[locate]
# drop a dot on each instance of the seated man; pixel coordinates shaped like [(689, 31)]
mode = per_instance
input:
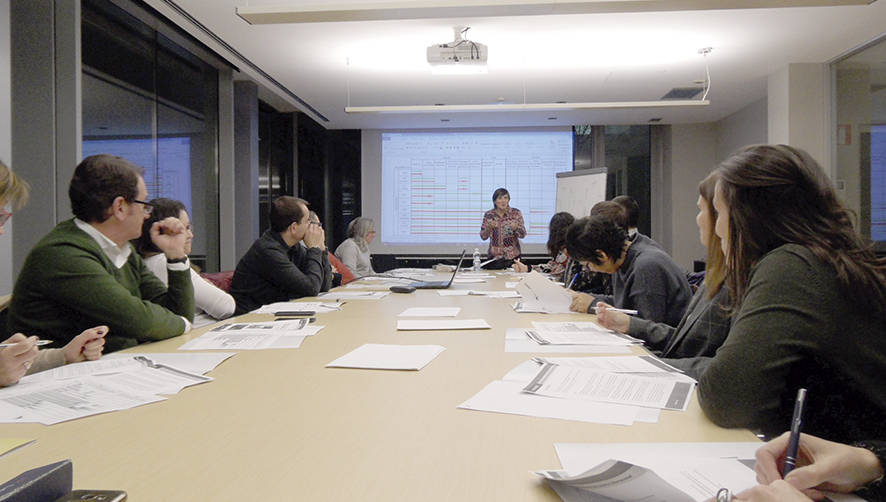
[(84, 272), (276, 268), (644, 278)]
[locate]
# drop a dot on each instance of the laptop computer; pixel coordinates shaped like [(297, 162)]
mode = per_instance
[(439, 284)]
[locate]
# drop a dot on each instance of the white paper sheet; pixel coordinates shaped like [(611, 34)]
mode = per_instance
[(232, 337), (622, 364), (517, 341), (194, 362), (471, 292), (154, 380), (103, 365), (552, 298), (570, 327), (534, 307), (300, 327), (318, 307), (430, 312), (353, 295), (389, 357), (434, 324), (468, 280), (506, 397), (579, 383), (579, 338), (511, 284)]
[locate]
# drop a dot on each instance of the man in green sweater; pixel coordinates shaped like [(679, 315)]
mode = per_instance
[(85, 272)]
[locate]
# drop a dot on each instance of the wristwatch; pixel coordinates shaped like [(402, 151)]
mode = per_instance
[(183, 259)]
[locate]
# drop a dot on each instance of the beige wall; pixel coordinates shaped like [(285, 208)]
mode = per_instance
[(799, 109), (854, 113)]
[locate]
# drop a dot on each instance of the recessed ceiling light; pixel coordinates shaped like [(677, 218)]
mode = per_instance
[(552, 118), (444, 120), (655, 119)]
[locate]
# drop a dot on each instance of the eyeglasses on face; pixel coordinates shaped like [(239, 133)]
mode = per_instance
[(4, 216), (147, 206)]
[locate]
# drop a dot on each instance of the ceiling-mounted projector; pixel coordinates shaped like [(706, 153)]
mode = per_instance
[(459, 56)]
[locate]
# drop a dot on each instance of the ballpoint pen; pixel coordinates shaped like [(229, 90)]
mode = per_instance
[(790, 459), (39, 343), (574, 278)]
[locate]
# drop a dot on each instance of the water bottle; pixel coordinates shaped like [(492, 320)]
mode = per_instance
[(476, 259)]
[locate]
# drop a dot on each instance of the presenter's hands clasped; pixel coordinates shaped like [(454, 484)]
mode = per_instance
[(86, 346), (170, 236), (16, 360), (580, 302), (315, 236), (610, 319)]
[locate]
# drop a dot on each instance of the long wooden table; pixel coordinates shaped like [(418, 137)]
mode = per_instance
[(278, 425)]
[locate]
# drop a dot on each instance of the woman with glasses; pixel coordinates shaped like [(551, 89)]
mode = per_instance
[(211, 302), (354, 251), (22, 356)]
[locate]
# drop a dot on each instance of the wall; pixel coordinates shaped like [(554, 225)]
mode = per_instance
[(800, 110), (693, 156), (747, 126), (6, 279)]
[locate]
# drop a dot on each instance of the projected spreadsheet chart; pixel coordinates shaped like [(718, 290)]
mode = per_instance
[(437, 190)]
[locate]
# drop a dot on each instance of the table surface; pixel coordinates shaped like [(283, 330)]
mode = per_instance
[(278, 425)]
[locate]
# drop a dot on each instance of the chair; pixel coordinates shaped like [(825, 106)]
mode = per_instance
[(221, 280)]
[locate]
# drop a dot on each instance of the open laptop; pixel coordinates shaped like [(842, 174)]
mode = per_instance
[(439, 284)]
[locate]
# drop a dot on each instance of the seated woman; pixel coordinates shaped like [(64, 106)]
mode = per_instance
[(211, 302), (23, 357), (807, 304), (354, 251), (556, 247), (692, 344)]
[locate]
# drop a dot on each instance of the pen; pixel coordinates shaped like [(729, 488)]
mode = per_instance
[(39, 343), (790, 459), (574, 277), (623, 311)]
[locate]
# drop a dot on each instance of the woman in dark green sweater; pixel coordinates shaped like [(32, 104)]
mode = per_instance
[(808, 303)]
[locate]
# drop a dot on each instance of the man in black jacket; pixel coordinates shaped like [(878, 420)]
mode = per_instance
[(276, 268)]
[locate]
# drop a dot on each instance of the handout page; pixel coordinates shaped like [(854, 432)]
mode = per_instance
[(507, 397), (614, 481), (318, 307), (430, 312), (194, 362), (468, 280), (226, 338), (434, 324), (354, 295), (534, 307), (579, 383), (554, 299), (104, 365), (53, 402), (388, 357), (471, 292), (516, 340), (580, 338), (154, 380), (622, 364), (511, 284), (299, 327), (571, 327)]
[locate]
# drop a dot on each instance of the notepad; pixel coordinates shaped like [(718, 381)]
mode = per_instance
[(434, 324), (388, 357)]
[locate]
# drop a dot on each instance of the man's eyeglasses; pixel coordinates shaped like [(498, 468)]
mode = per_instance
[(147, 206), (4, 216)]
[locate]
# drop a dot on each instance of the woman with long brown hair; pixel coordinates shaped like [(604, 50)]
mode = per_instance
[(808, 303)]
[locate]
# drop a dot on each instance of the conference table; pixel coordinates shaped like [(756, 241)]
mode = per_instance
[(279, 425)]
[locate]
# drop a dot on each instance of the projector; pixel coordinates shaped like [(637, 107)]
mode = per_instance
[(460, 51)]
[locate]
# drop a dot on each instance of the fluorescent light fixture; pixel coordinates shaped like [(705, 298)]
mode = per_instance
[(526, 107), (460, 9)]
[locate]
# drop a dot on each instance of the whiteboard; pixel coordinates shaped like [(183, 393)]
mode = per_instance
[(578, 191)]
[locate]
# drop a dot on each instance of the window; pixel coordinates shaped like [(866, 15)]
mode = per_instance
[(151, 101)]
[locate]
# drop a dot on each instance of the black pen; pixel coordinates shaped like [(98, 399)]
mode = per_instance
[(790, 459)]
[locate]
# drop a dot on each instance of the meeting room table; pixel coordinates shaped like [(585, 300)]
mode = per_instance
[(279, 425)]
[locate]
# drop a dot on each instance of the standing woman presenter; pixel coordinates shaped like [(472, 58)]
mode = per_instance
[(503, 226)]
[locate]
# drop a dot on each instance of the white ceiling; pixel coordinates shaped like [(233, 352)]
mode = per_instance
[(636, 56)]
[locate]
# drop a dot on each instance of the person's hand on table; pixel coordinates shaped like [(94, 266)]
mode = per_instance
[(86, 346), (821, 465), (580, 302), (779, 491), (519, 266), (610, 319), (16, 360)]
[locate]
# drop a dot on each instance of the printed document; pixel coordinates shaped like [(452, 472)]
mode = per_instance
[(353, 295), (318, 307), (194, 362), (388, 357), (430, 312), (254, 336), (536, 289), (579, 383), (433, 324), (516, 340), (580, 338)]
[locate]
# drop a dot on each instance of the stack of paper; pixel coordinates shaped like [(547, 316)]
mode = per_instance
[(353, 295), (116, 384), (388, 357), (254, 336), (508, 396), (428, 325), (430, 312), (318, 307), (542, 295), (528, 340), (471, 292)]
